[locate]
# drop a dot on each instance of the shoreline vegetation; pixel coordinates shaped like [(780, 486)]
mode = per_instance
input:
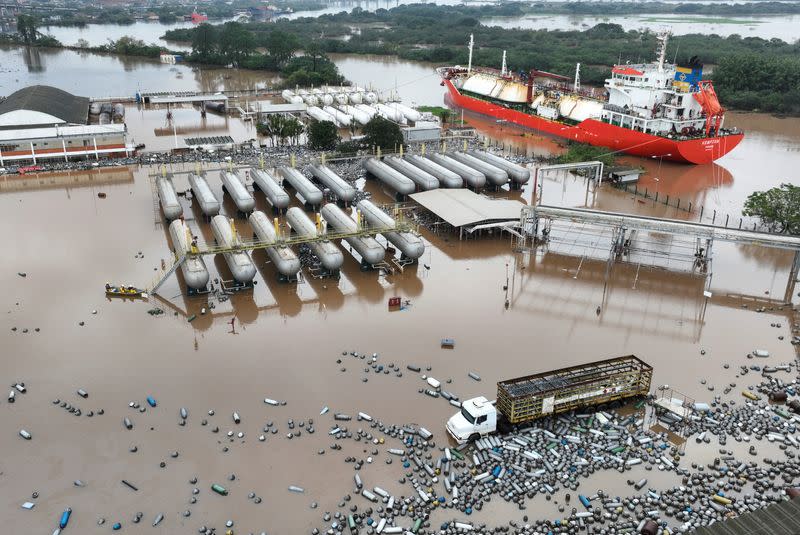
[(750, 74)]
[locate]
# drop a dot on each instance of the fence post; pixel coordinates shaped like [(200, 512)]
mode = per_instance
[(655, 199), (727, 216), (678, 206), (740, 223), (645, 193), (690, 207), (714, 218), (636, 189)]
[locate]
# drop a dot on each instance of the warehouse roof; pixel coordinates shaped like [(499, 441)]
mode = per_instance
[(779, 519), (49, 104), (460, 207)]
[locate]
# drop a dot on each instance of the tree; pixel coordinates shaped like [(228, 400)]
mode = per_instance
[(82, 43), (322, 135), (27, 28), (281, 46), (380, 132), (314, 51), (204, 40), (777, 208), (235, 42)]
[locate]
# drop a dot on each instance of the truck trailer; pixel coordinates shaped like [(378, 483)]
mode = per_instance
[(526, 399)]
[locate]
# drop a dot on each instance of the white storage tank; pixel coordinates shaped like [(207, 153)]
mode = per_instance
[(310, 193), (285, 260), (370, 250), (193, 268), (170, 204), (329, 255), (239, 262), (268, 184), (408, 243), (208, 202), (234, 187)]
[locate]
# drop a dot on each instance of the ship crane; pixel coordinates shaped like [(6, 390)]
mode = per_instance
[(577, 85)]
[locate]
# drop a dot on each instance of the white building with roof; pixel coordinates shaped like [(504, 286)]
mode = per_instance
[(39, 123)]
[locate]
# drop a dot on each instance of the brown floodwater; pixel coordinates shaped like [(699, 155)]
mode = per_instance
[(288, 337)]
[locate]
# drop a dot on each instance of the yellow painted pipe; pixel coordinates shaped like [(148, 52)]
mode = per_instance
[(721, 499), (750, 395)]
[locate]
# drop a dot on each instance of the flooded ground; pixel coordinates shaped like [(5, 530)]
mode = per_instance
[(288, 337), (287, 340)]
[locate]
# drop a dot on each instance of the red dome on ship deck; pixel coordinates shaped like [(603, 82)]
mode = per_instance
[(626, 71)]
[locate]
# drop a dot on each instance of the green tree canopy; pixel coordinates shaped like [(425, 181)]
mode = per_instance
[(777, 208), (27, 28), (322, 135), (281, 46), (235, 42), (204, 40), (380, 132)]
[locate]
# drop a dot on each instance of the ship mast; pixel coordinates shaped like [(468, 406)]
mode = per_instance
[(662, 48), (503, 69), (577, 85), (471, 43)]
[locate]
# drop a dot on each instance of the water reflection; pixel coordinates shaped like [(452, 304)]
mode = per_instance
[(33, 59)]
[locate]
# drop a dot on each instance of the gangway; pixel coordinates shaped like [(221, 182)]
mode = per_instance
[(167, 274)]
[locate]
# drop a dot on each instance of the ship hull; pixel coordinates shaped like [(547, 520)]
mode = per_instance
[(598, 133)]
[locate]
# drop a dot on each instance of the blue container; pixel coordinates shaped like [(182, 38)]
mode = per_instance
[(65, 518), (151, 401)]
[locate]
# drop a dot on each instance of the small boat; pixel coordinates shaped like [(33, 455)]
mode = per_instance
[(125, 291)]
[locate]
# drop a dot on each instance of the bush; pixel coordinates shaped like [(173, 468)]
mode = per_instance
[(322, 135)]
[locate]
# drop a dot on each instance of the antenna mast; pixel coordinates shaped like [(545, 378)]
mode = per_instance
[(662, 37), (471, 43), (577, 86)]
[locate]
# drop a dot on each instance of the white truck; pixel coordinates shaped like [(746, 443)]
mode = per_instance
[(525, 399)]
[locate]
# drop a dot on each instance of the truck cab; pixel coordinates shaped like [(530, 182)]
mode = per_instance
[(478, 417)]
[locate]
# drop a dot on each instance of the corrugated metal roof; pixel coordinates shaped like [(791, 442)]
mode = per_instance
[(49, 100), (461, 207), (779, 519)]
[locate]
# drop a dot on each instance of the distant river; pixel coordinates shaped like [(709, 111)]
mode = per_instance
[(786, 28)]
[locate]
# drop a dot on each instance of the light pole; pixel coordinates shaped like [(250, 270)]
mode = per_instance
[(660, 161)]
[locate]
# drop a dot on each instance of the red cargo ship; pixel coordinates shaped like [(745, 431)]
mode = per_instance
[(654, 110)]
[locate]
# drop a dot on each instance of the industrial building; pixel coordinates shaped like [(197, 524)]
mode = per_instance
[(45, 123)]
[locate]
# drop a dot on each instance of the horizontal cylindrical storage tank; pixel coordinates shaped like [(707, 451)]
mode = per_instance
[(284, 258), (242, 198), (356, 97), (310, 100), (360, 116), (330, 255), (494, 175), (326, 99), (104, 118), (341, 99), (319, 115), (398, 182), (341, 118), (390, 113), (106, 107), (94, 108), (370, 97), (239, 262), (473, 178), (369, 110), (343, 191), (409, 113), (446, 177), (119, 110), (291, 98), (218, 107), (518, 174), (208, 202), (310, 193), (408, 243), (170, 204), (268, 184), (370, 250), (193, 268), (421, 178)]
